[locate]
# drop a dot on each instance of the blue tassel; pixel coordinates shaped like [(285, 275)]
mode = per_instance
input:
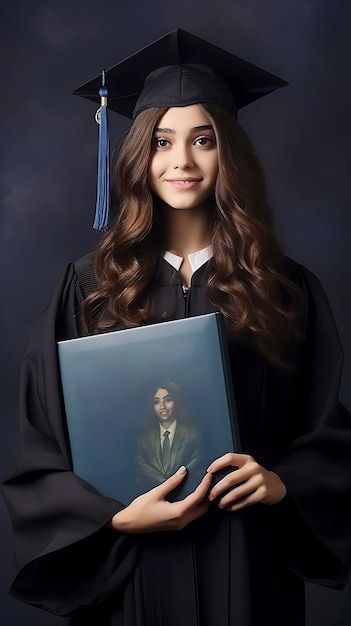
[(103, 199)]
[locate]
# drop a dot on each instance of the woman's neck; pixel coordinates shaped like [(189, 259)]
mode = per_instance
[(186, 231)]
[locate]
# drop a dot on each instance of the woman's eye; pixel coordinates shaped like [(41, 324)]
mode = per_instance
[(156, 401), (162, 143), (204, 141), (169, 399)]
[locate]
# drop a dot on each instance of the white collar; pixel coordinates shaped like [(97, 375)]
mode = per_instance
[(170, 428), (196, 259)]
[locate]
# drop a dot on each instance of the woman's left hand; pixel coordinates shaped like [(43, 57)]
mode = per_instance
[(249, 484)]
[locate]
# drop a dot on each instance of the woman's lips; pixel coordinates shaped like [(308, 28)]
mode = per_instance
[(184, 183)]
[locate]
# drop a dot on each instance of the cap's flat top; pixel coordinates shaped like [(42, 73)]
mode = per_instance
[(125, 81)]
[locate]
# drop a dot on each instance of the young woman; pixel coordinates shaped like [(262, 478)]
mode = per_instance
[(192, 235)]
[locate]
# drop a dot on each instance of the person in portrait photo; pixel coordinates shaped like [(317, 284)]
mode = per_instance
[(168, 440)]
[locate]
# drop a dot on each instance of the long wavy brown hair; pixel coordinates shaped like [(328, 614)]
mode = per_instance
[(243, 277)]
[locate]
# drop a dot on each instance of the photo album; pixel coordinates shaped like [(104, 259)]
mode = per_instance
[(143, 401)]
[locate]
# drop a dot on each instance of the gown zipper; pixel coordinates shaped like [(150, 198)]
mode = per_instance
[(186, 295)]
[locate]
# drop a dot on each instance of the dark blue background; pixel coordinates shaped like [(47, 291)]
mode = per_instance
[(48, 163)]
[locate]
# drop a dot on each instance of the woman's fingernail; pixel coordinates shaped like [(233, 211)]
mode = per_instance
[(181, 470), (211, 497)]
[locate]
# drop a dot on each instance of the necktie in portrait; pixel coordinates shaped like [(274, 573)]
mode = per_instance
[(166, 451)]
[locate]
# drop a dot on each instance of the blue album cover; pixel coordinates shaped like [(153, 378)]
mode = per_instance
[(142, 402)]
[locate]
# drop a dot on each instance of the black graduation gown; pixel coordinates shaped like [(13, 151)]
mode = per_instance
[(226, 569)]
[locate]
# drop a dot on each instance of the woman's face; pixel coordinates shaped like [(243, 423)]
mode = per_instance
[(184, 160), (163, 405)]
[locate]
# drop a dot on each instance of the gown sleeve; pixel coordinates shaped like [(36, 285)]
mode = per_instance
[(315, 521), (66, 558)]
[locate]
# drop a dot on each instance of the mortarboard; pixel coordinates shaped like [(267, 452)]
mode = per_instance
[(178, 69)]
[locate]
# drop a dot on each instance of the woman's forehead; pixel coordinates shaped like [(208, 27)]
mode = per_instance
[(161, 392), (187, 117)]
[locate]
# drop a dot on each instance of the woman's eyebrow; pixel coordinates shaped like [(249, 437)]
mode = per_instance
[(193, 130), (164, 130), (204, 127)]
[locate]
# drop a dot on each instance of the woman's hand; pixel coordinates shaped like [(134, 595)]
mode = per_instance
[(249, 484), (151, 512)]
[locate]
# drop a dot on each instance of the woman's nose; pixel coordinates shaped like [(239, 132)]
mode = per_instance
[(183, 157)]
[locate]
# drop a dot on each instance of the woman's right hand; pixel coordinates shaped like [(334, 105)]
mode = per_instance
[(151, 512)]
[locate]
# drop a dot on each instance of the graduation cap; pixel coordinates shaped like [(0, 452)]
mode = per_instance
[(176, 70)]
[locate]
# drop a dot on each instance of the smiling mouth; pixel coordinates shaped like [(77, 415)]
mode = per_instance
[(186, 183), (183, 180)]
